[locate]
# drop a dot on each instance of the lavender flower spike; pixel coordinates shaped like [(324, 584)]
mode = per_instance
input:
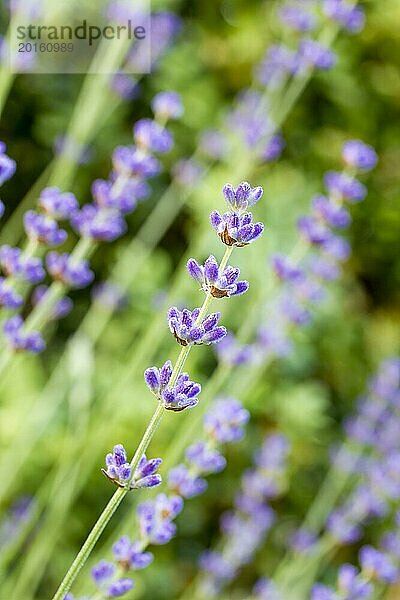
[(186, 331), (57, 204), (359, 155), (43, 229), (73, 274), (18, 340), (118, 467), (243, 197), (213, 281)]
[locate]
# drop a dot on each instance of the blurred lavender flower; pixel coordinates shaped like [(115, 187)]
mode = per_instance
[(103, 575), (62, 267), (358, 155), (167, 105), (57, 204), (61, 309), (183, 324), (134, 161), (15, 264), (7, 165), (273, 149), (98, 224), (330, 213), (344, 186), (129, 555), (43, 229), (9, 298), (265, 589), (125, 86), (378, 565), (231, 352), (17, 339), (349, 16), (313, 54), (152, 137), (125, 200), (350, 585), (220, 284), (297, 17), (278, 63), (225, 422), (155, 518)]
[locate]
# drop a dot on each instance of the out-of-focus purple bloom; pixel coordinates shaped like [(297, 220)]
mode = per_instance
[(342, 185), (284, 269), (243, 197), (273, 149), (265, 589), (294, 311), (110, 195), (297, 17), (215, 564), (187, 172), (359, 155), (15, 264), (155, 518), (206, 460), (220, 284), (2, 209), (17, 515), (185, 483), (350, 17), (343, 528), (118, 467), (303, 540), (214, 144), (57, 204), (62, 307), (324, 268), (119, 588), (9, 298), (105, 225), (378, 564), (63, 267), (278, 62), (226, 420), (109, 295), (236, 230), (125, 86), (231, 352), (313, 54), (7, 165), (183, 394), (43, 229), (130, 554), (183, 324), (131, 160), (336, 247), (167, 105), (103, 572), (313, 230), (323, 592), (330, 213), (273, 340), (151, 136), (18, 339), (351, 585)]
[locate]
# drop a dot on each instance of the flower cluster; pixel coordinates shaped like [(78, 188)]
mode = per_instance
[(213, 281), (223, 424), (245, 527), (178, 396), (186, 329), (119, 470)]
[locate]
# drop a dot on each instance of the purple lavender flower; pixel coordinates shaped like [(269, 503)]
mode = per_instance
[(157, 379), (313, 54), (130, 555), (185, 483), (359, 155), (2, 209), (243, 197), (220, 284), (7, 165), (56, 204), (265, 589), (156, 516), (236, 230), (231, 352), (278, 62), (152, 137), (131, 160), (303, 540), (9, 298), (214, 563), (62, 307), (378, 564), (330, 213), (74, 274), (119, 587), (342, 185), (226, 420), (103, 572), (18, 339), (145, 475), (15, 264), (206, 460), (182, 395), (313, 230), (125, 86), (118, 467), (100, 224), (350, 17), (273, 149), (167, 105), (284, 269), (183, 324), (108, 194), (43, 229), (297, 17), (323, 592)]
